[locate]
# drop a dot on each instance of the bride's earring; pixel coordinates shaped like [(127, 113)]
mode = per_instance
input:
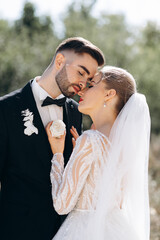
[(104, 105)]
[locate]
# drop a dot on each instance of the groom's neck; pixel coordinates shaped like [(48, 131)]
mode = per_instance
[(48, 83)]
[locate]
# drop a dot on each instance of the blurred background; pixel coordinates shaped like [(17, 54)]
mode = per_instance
[(128, 33)]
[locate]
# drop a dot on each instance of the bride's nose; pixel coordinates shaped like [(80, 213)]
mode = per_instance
[(81, 92)]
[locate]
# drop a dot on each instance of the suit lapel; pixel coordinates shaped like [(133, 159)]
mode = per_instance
[(40, 141), (67, 118)]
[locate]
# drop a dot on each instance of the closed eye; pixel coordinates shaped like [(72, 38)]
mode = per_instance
[(80, 73), (89, 84)]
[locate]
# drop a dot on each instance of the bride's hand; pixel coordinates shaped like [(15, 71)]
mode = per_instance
[(57, 144), (75, 135)]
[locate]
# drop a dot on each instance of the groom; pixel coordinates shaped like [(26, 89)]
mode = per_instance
[(26, 208)]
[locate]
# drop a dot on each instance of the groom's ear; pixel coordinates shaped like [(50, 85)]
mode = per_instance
[(59, 61)]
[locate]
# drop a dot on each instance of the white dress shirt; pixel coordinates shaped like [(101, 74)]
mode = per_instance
[(47, 113)]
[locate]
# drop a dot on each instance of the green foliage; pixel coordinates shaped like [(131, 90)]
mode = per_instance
[(33, 24), (114, 39), (109, 32), (145, 64), (28, 45), (7, 68), (80, 23), (26, 49), (154, 186)]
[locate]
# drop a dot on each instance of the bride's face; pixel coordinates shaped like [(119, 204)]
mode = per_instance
[(92, 98)]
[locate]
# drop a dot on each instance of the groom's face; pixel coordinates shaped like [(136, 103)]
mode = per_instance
[(74, 74)]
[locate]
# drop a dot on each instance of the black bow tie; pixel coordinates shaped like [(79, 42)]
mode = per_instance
[(49, 101)]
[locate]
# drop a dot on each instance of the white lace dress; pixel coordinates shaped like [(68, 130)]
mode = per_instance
[(75, 190)]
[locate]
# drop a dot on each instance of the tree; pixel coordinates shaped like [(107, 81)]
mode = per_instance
[(27, 47), (7, 69), (33, 24), (146, 67)]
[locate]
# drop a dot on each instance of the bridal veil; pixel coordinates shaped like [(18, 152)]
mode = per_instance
[(123, 203)]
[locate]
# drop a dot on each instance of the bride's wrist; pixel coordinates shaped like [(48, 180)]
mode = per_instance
[(58, 153), (58, 157)]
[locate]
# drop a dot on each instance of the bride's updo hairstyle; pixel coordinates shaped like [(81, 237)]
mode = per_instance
[(120, 80)]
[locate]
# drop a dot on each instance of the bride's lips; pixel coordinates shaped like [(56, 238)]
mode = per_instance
[(80, 100), (76, 89)]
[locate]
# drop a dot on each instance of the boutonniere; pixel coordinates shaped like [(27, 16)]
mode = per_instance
[(28, 123)]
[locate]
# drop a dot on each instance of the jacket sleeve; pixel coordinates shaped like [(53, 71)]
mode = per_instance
[(3, 143), (68, 183)]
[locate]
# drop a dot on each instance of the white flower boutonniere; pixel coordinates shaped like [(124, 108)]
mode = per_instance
[(28, 123)]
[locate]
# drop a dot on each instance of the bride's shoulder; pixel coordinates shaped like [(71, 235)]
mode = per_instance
[(92, 132), (93, 139), (93, 135), (86, 136), (89, 133)]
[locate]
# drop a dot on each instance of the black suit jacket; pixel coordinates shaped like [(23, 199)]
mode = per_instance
[(26, 207)]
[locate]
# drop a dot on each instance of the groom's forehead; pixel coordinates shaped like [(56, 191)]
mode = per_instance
[(87, 61)]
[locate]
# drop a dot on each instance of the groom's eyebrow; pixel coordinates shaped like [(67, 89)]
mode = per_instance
[(85, 69)]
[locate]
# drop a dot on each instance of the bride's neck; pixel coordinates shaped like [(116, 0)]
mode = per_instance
[(103, 122)]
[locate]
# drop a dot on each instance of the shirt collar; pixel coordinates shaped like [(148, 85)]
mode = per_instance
[(40, 92)]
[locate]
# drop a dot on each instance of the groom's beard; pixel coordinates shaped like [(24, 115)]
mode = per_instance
[(64, 84)]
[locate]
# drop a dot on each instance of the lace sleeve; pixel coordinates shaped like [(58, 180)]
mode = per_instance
[(67, 183)]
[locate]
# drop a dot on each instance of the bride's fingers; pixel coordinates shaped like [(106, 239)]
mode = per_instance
[(48, 125), (73, 142), (74, 133), (48, 128), (64, 135)]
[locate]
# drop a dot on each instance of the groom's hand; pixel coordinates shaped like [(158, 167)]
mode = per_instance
[(75, 135)]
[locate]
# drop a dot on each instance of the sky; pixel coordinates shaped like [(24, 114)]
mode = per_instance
[(137, 12)]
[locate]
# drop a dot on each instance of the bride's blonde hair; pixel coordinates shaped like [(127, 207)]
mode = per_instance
[(120, 80)]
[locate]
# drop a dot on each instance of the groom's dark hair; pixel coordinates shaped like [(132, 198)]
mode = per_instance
[(80, 45)]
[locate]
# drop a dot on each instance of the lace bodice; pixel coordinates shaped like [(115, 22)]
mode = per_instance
[(76, 185)]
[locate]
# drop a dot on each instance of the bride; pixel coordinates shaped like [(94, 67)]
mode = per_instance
[(104, 186)]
